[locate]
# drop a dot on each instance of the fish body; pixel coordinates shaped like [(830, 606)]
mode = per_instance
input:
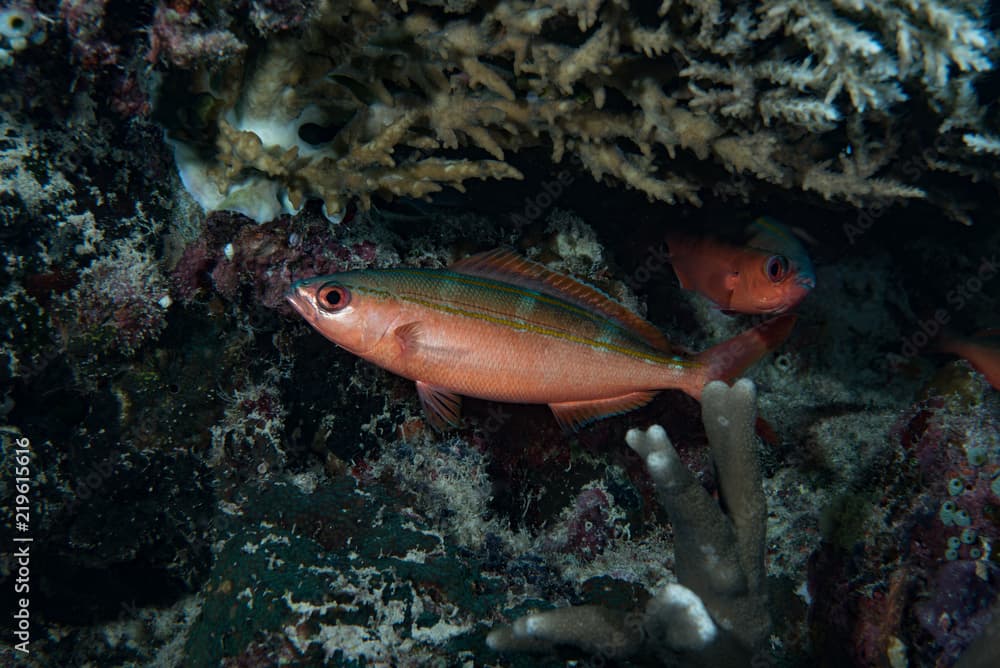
[(771, 273), (499, 327), (982, 351)]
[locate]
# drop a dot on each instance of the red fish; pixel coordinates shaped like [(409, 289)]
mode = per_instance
[(499, 327), (770, 274), (982, 351)]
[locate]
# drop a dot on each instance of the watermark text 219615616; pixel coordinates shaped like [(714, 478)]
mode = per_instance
[(21, 550)]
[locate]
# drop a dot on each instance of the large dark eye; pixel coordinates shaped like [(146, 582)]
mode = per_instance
[(333, 297), (776, 268)]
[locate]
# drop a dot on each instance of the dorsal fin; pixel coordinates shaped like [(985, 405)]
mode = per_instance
[(504, 265), (984, 333)]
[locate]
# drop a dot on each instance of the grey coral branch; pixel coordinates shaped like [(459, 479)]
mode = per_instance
[(716, 614)]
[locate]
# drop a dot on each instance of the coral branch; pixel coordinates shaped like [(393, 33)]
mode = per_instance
[(368, 82), (717, 615)]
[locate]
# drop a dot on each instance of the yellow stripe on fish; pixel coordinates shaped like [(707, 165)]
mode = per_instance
[(499, 327)]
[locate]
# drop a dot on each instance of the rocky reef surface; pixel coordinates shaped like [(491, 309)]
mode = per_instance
[(207, 481)]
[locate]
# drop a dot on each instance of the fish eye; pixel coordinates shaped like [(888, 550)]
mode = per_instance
[(776, 268), (332, 297)]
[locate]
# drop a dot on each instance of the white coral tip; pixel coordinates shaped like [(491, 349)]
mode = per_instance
[(690, 626), (658, 436), (658, 463)]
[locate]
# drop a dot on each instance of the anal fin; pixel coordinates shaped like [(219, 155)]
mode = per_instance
[(572, 415), (442, 408)]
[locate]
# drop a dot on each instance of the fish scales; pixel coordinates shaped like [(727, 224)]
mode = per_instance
[(499, 327), (498, 341)]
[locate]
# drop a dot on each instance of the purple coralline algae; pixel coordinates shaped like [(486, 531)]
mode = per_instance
[(179, 37), (590, 528), (121, 301), (961, 598), (85, 26), (265, 260), (924, 583)]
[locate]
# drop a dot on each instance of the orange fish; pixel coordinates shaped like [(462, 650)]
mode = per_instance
[(771, 274), (499, 327), (982, 351)]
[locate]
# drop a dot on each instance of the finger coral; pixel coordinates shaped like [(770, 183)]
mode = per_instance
[(717, 614), (384, 99)]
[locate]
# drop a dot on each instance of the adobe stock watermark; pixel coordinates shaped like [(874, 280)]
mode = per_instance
[(958, 298), (496, 418), (735, 187), (21, 550), (551, 190), (913, 169), (620, 643), (867, 217), (90, 483), (652, 266)]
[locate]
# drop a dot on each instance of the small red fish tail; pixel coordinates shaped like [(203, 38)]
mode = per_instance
[(949, 342), (981, 350), (731, 358), (766, 432), (946, 342)]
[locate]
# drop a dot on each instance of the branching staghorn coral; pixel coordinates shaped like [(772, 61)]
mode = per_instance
[(716, 615), (375, 98)]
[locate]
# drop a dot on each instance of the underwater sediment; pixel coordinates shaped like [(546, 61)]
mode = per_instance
[(193, 475)]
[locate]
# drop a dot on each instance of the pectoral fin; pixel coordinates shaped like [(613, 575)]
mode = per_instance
[(413, 340), (409, 335), (572, 415), (442, 408)]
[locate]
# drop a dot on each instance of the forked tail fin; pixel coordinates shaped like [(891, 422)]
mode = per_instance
[(731, 358)]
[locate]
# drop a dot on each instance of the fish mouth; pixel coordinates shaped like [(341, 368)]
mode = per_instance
[(299, 299)]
